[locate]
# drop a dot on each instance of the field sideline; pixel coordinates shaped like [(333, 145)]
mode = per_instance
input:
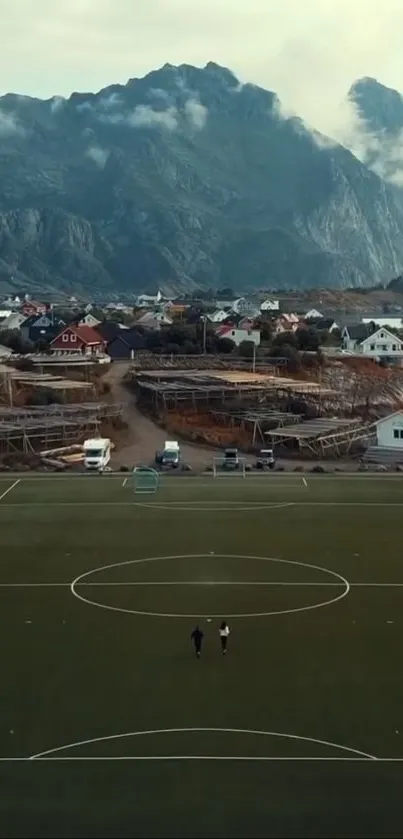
[(111, 727)]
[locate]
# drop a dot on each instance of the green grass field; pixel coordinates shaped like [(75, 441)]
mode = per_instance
[(110, 726)]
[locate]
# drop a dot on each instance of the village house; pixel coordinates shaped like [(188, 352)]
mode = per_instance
[(32, 307), (82, 340), (322, 323), (389, 431), (42, 328), (373, 344), (238, 335), (13, 321), (87, 319), (270, 305), (154, 320), (285, 323), (313, 314), (125, 343), (218, 316)]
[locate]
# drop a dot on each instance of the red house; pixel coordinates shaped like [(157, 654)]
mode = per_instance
[(78, 339), (31, 307)]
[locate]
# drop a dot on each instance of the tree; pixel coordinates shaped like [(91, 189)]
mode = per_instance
[(225, 345), (288, 338), (13, 339), (308, 339), (246, 349)]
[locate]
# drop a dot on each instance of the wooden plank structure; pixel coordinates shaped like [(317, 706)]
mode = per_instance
[(168, 389), (323, 437), (171, 394), (36, 428), (259, 419)]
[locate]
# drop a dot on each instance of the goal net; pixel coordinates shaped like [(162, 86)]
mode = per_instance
[(222, 468), (145, 480)]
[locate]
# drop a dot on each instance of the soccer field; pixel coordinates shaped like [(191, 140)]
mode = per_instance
[(109, 724)]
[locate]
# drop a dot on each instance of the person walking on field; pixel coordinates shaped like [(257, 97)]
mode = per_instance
[(197, 638), (224, 631)]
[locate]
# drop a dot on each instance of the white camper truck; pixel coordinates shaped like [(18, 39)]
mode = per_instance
[(97, 453)]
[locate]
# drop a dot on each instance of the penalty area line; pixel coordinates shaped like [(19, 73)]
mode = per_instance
[(11, 487)]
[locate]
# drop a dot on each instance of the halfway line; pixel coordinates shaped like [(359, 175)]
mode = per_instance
[(273, 583)]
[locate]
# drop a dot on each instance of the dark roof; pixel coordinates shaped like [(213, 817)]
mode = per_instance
[(359, 331), (321, 323), (109, 329), (131, 337)]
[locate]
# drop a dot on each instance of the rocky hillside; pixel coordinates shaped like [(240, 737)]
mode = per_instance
[(182, 179)]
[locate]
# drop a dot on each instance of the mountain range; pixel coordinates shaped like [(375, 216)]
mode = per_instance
[(187, 179)]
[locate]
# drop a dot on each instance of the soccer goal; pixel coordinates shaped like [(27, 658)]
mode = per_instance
[(223, 467), (145, 480)]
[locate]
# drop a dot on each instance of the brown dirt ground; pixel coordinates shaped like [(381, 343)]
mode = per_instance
[(143, 437)]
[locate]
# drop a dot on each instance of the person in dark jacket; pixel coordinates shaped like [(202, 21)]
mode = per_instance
[(197, 638)]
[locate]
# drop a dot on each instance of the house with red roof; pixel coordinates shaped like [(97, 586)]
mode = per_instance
[(84, 340), (32, 307)]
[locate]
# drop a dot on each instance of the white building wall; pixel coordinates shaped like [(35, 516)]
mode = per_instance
[(377, 347), (239, 335), (349, 345), (395, 323), (389, 432)]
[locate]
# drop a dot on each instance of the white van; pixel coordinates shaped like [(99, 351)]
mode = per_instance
[(97, 453)]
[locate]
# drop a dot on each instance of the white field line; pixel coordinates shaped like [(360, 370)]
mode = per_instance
[(201, 583), (200, 479), (203, 757), (158, 505), (3, 495)]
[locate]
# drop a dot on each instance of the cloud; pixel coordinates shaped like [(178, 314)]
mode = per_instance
[(98, 155), (82, 107), (113, 100), (196, 113), (383, 153), (158, 93), (56, 104), (146, 117), (9, 125)]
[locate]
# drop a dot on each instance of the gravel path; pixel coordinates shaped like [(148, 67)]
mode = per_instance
[(144, 435)]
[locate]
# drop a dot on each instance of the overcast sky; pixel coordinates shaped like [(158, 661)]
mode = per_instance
[(308, 51)]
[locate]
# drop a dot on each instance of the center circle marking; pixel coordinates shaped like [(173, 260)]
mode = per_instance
[(80, 579)]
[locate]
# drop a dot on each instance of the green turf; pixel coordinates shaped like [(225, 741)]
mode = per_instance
[(76, 671)]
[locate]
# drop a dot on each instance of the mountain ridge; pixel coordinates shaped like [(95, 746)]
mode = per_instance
[(185, 178)]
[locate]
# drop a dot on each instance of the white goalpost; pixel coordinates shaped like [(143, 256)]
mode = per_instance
[(222, 469)]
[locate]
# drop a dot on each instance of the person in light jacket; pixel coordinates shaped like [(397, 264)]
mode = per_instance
[(224, 631)]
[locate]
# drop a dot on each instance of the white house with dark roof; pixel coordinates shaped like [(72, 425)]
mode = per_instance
[(270, 305), (380, 343)]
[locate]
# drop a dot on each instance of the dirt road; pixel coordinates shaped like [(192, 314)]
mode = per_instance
[(144, 437)]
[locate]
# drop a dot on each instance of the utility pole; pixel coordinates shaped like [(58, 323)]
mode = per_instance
[(204, 334), (254, 358)]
